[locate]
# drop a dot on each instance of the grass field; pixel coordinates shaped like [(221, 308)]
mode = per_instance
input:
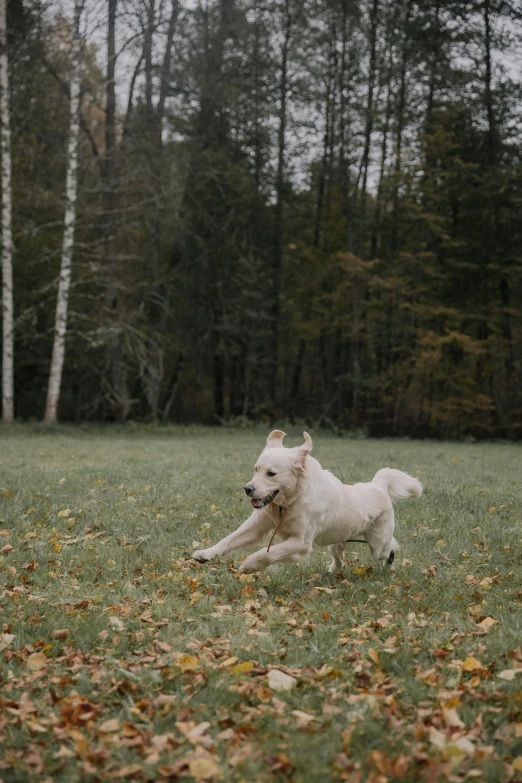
[(122, 659)]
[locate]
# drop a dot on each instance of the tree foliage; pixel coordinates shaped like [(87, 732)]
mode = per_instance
[(297, 209)]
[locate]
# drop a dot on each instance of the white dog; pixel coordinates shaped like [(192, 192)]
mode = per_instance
[(308, 507)]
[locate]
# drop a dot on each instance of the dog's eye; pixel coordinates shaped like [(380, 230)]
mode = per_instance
[(270, 473)]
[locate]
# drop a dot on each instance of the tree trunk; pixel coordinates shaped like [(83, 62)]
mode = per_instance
[(7, 240), (115, 352), (62, 302), (279, 205), (374, 19), (399, 132)]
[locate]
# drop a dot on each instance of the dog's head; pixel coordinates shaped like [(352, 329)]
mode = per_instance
[(277, 471)]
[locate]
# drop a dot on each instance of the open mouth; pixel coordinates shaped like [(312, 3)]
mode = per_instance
[(262, 502)]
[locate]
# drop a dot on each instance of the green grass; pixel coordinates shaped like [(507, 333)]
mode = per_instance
[(102, 522)]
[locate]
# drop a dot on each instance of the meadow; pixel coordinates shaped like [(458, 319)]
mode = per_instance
[(123, 659)]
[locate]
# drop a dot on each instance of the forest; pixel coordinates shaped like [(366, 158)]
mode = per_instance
[(301, 210)]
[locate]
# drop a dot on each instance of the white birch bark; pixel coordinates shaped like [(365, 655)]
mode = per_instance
[(7, 238), (64, 283)]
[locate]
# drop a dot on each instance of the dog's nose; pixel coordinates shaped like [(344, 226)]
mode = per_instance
[(249, 489)]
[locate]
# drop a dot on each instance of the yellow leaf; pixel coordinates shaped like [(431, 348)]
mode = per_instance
[(517, 763), (242, 668), (188, 663), (373, 655), (7, 493), (109, 726), (64, 513), (204, 768), (360, 570), (229, 662), (57, 547), (36, 661), (471, 665)]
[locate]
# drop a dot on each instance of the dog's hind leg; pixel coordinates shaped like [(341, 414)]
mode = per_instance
[(381, 541), (337, 552)]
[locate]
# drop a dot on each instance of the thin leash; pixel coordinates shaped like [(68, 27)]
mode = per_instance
[(283, 514)]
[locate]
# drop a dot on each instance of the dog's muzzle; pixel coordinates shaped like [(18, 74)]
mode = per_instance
[(262, 502)]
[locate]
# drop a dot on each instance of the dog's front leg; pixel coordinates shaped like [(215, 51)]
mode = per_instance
[(293, 548), (250, 532)]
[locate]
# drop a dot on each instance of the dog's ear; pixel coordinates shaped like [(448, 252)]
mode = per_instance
[(304, 451), (275, 439)]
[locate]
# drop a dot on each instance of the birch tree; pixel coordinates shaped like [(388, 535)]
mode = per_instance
[(64, 283), (7, 242)]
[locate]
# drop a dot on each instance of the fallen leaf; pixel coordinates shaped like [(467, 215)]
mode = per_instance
[(61, 633), (517, 763), (64, 513), (242, 668), (188, 663), (451, 718), (5, 549), (5, 640), (204, 768), (437, 738), (471, 664), (228, 662), (36, 661), (279, 681), (303, 718), (509, 674), (109, 726), (486, 624), (125, 772)]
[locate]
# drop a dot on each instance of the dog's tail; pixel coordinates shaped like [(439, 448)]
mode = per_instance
[(398, 484)]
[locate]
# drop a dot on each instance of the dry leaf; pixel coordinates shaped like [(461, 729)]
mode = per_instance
[(303, 718), (279, 681), (5, 640), (204, 768), (125, 772), (471, 665), (61, 633), (188, 663), (486, 624), (451, 718), (242, 668), (36, 661), (517, 763), (437, 738), (228, 662), (509, 674), (109, 726), (64, 513)]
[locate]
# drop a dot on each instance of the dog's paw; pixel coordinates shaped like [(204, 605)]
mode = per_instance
[(251, 565), (335, 567), (203, 555)]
